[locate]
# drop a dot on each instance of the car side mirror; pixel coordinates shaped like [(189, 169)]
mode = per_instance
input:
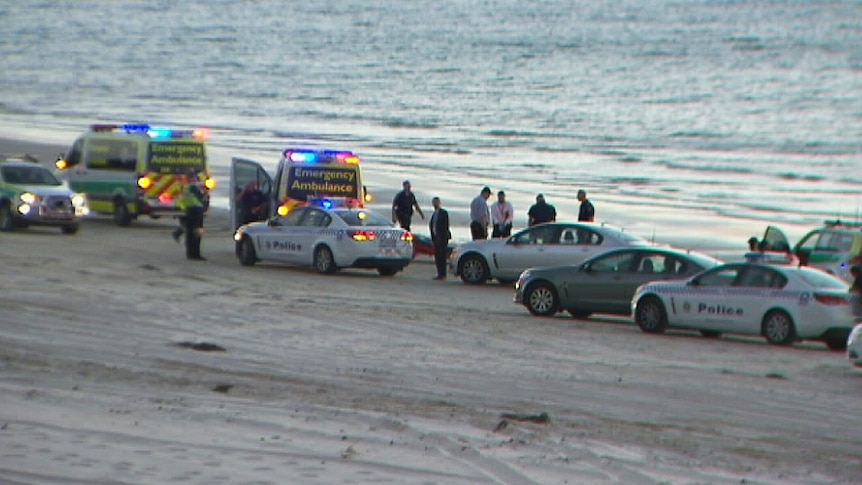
[(587, 268)]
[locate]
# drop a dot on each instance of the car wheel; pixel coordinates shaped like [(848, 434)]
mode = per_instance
[(245, 252), (387, 271), (323, 260), (579, 313), (6, 222), (650, 315), (73, 229), (778, 328), (541, 299), (710, 333), (839, 344), (474, 270), (121, 213)]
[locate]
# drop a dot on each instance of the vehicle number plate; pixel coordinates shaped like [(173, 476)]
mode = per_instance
[(387, 240)]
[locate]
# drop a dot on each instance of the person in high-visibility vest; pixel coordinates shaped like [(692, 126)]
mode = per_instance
[(193, 203)]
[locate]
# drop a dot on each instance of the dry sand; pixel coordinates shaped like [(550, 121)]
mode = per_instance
[(121, 362)]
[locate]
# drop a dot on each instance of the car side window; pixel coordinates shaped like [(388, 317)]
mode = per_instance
[(654, 263), (588, 237), (615, 263), (755, 277), (291, 219), (315, 218), (718, 277), (540, 235)]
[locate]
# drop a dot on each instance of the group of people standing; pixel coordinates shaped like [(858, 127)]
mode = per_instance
[(500, 214), (497, 217)]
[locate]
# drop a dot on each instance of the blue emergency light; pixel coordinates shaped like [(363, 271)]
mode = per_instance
[(301, 157), (154, 133)]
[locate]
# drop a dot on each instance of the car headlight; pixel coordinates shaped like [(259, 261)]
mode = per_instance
[(79, 200), (237, 236), (28, 198)]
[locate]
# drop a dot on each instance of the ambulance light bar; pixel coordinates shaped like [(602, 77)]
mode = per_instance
[(152, 132), (327, 156)]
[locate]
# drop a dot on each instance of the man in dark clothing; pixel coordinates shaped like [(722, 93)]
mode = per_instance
[(541, 212), (587, 212), (440, 236), (194, 202), (253, 204), (403, 205)]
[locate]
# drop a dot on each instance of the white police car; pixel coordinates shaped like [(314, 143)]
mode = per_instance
[(854, 346), (328, 239), (782, 303)]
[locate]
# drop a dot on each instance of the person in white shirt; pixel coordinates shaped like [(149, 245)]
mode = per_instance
[(502, 214)]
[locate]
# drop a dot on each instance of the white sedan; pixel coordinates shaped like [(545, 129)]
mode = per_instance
[(327, 239), (551, 244), (783, 303), (854, 346)]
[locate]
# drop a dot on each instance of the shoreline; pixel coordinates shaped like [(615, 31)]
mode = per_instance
[(123, 362)]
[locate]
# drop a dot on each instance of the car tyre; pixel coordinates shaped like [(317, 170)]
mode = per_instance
[(245, 252), (387, 271), (474, 270), (837, 344), (323, 260), (6, 222), (121, 213), (541, 299), (71, 229), (650, 315), (778, 328)]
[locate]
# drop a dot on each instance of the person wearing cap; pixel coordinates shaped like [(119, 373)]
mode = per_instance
[(480, 216), (502, 214), (587, 213), (541, 212), (403, 205)]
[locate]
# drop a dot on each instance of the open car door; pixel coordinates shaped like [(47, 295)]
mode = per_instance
[(247, 176), (775, 240)]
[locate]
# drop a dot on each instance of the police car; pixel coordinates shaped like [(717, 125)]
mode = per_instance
[(31, 195), (782, 303), (854, 346), (328, 238)]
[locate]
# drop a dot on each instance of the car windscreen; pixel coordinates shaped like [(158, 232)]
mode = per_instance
[(821, 279), (176, 157), (35, 175), (361, 218)]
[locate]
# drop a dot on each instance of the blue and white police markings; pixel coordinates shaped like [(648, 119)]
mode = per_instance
[(719, 310)]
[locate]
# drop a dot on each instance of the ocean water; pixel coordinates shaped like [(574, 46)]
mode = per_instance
[(689, 120)]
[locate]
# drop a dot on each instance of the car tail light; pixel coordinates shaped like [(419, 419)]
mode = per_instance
[(363, 235), (828, 299), (407, 236)]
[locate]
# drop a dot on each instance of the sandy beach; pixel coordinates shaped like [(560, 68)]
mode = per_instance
[(123, 363)]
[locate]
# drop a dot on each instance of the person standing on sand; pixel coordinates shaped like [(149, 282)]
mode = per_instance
[(192, 202), (440, 236), (541, 212), (480, 216), (587, 213), (502, 214), (403, 205)]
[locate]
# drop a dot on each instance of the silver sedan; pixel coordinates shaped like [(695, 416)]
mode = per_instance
[(551, 244)]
